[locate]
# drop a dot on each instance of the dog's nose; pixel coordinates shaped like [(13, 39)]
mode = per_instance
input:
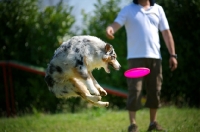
[(119, 67)]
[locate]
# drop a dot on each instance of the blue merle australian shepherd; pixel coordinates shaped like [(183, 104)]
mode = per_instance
[(69, 73)]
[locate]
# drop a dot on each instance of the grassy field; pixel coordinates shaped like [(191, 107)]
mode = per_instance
[(102, 120)]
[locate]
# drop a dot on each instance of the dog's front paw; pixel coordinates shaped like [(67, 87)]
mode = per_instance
[(95, 92), (103, 92)]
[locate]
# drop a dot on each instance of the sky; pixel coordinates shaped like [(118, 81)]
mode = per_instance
[(78, 6)]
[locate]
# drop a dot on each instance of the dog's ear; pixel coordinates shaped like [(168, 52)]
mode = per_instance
[(108, 47)]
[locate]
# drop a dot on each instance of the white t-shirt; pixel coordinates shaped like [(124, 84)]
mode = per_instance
[(142, 28)]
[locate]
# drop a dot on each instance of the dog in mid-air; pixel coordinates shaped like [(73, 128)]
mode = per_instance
[(69, 73)]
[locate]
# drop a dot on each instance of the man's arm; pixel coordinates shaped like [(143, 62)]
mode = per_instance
[(111, 29), (167, 36), (169, 41)]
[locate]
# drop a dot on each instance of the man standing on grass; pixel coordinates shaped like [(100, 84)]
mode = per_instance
[(143, 19)]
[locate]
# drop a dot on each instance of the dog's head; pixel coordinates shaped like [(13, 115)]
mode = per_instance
[(110, 58)]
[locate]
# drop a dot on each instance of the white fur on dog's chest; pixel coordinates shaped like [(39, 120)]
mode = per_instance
[(97, 63)]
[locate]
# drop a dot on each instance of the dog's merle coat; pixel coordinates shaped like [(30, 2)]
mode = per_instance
[(69, 73)]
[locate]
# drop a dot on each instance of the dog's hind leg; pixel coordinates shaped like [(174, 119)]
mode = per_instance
[(82, 91), (96, 84)]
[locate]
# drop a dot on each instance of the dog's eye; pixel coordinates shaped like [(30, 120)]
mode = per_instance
[(109, 63)]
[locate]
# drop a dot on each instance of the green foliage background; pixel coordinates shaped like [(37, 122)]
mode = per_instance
[(30, 34), (182, 86)]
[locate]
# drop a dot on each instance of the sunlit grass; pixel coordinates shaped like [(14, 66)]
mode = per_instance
[(102, 120)]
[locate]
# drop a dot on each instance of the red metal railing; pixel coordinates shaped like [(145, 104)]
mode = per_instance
[(8, 83)]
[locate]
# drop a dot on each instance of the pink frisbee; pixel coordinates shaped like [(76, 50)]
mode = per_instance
[(137, 72)]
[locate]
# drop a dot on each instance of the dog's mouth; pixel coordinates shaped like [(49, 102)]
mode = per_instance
[(111, 65), (107, 68), (115, 66)]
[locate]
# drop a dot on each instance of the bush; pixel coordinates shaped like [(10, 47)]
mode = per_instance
[(29, 34)]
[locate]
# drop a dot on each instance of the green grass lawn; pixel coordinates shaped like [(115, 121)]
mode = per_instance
[(102, 120)]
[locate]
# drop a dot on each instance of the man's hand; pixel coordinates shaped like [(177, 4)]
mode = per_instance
[(110, 32), (173, 63)]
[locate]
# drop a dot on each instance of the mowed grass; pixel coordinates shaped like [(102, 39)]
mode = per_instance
[(102, 120)]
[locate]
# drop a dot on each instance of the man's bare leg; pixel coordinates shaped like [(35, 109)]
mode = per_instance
[(132, 117), (153, 114)]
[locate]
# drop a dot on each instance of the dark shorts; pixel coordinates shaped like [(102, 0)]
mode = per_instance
[(152, 84)]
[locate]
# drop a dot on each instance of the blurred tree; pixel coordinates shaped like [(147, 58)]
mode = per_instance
[(24, 27), (30, 34)]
